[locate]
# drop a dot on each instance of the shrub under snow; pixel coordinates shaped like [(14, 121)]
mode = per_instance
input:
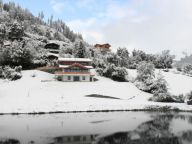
[(162, 97), (159, 85), (119, 74), (145, 76), (11, 73), (113, 72), (188, 98), (188, 69), (146, 81)]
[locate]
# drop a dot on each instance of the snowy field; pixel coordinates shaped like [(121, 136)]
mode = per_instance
[(43, 93)]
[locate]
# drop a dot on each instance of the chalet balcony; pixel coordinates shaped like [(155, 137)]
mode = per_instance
[(73, 73)]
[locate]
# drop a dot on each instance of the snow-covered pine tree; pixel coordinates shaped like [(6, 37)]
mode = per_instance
[(16, 30), (80, 49), (16, 55), (124, 57), (160, 84), (2, 33)]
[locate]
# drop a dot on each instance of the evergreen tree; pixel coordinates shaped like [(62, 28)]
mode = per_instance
[(16, 55), (124, 57), (2, 33), (145, 72), (80, 49), (48, 34), (159, 85), (51, 21), (16, 30)]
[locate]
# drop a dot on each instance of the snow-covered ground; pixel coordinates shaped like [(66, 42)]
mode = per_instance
[(43, 93), (178, 83)]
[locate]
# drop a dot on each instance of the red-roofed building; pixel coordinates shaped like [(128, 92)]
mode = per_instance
[(75, 69), (103, 47)]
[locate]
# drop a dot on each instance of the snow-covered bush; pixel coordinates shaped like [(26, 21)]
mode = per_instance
[(179, 98), (80, 49), (164, 60), (113, 72), (145, 76), (123, 57), (145, 72), (187, 69), (112, 58), (109, 69), (119, 74), (188, 98), (16, 30), (18, 69), (99, 71), (12, 74), (162, 97), (189, 95), (159, 85), (16, 55), (146, 81), (159, 89), (144, 86)]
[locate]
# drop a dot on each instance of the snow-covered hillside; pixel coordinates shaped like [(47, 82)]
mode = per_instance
[(38, 91), (177, 82)]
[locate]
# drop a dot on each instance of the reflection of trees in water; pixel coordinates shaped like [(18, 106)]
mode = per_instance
[(190, 119), (187, 136), (9, 141), (156, 131), (158, 127), (153, 140), (77, 139)]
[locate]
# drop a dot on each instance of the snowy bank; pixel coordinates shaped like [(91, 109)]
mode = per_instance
[(38, 91)]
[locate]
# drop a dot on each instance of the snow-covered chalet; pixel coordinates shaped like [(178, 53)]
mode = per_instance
[(75, 69), (103, 48)]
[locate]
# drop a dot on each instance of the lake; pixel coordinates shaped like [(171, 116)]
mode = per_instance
[(97, 128)]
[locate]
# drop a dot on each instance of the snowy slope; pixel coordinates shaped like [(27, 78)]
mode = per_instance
[(177, 83), (43, 93)]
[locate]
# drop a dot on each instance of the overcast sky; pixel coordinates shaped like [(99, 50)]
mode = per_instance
[(149, 25)]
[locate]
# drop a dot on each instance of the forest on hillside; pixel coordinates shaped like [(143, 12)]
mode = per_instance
[(23, 37)]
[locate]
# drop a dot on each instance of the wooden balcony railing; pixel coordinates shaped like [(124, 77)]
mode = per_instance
[(75, 73)]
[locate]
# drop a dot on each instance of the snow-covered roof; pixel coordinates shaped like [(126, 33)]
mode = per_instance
[(57, 42), (53, 54), (75, 59), (7, 43), (66, 66)]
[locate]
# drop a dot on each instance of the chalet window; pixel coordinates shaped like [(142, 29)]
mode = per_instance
[(69, 78), (83, 77)]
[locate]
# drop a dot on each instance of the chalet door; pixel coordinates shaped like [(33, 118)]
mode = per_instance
[(76, 78)]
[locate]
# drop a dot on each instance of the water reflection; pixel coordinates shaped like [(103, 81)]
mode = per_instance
[(98, 128), (79, 139)]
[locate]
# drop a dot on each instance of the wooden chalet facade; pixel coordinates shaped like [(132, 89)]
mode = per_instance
[(103, 47), (75, 69), (53, 47)]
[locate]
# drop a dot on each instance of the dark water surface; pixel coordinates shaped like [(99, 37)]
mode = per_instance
[(97, 128)]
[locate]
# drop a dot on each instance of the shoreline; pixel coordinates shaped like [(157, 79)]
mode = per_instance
[(162, 109)]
